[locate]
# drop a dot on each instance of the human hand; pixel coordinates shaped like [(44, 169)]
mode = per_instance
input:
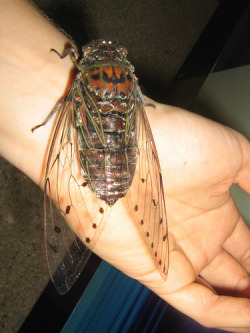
[(209, 241)]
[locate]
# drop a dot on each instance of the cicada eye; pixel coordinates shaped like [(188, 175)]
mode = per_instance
[(86, 49), (123, 51)]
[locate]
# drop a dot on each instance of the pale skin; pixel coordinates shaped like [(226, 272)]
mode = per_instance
[(209, 260)]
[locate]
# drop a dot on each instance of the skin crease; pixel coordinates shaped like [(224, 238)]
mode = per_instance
[(200, 159)]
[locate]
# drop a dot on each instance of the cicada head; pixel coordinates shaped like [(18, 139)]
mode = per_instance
[(104, 52)]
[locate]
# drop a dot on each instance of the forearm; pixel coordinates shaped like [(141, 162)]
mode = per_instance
[(32, 82)]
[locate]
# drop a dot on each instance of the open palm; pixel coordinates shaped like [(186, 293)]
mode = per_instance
[(209, 241)]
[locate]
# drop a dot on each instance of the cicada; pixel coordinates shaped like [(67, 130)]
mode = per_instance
[(102, 149)]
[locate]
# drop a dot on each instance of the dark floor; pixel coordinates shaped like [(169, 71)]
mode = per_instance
[(158, 35)]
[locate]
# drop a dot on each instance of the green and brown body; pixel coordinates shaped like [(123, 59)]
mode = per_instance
[(106, 124)]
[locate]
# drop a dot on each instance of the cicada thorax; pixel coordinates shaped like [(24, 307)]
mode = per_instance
[(106, 128)]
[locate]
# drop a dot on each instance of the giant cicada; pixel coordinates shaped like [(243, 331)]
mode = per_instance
[(102, 150)]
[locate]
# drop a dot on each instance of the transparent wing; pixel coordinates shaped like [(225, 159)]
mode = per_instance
[(66, 188), (145, 197)]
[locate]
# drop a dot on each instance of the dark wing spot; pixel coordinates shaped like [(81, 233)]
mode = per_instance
[(67, 209), (94, 225), (57, 229), (147, 234), (160, 264), (142, 222), (84, 184), (53, 248), (154, 202), (161, 221), (164, 238), (143, 180), (136, 208), (152, 245), (101, 210), (87, 240), (155, 253)]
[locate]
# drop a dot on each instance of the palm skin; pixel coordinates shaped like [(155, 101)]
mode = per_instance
[(208, 239)]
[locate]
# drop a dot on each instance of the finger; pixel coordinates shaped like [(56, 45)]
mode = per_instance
[(211, 310), (231, 329), (238, 244), (227, 276)]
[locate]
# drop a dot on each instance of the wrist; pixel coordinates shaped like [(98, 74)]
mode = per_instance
[(32, 82)]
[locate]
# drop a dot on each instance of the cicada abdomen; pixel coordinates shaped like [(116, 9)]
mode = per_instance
[(102, 130)]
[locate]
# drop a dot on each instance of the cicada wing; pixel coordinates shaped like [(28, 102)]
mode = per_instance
[(66, 254), (145, 197)]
